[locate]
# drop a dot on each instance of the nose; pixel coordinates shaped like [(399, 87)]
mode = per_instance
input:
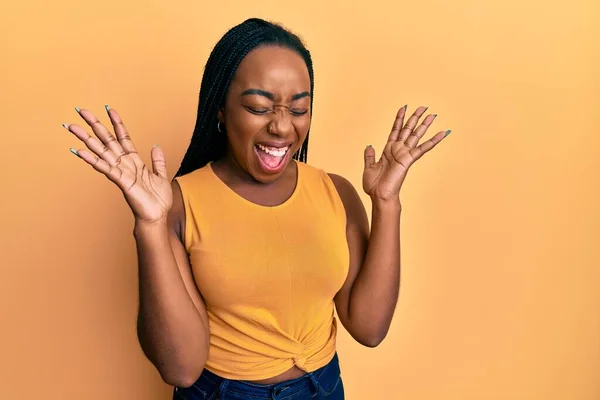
[(281, 123)]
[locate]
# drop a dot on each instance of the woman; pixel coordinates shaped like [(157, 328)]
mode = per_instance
[(243, 256)]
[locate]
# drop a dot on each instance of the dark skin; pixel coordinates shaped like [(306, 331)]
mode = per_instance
[(267, 103)]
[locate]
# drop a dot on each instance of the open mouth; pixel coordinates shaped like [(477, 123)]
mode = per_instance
[(271, 159)]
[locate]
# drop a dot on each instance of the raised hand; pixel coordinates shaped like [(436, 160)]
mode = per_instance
[(383, 179), (148, 193)]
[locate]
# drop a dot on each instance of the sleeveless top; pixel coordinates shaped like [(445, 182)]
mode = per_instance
[(268, 275)]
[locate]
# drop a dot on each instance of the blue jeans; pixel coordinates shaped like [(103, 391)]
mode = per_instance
[(322, 384)]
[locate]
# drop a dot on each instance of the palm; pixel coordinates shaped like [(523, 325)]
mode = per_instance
[(149, 195), (383, 179), (147, 192)]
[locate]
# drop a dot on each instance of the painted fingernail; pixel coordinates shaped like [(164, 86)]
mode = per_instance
[(448, 132), (65, 126), (107, 108), (72, 150), (77, 109)]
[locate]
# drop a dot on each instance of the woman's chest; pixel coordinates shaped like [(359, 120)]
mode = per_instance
[(266, 260)]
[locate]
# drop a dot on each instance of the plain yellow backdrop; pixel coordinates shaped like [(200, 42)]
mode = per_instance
[(500, 227)]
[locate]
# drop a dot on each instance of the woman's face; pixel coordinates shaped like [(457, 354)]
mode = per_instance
[(267, 111)]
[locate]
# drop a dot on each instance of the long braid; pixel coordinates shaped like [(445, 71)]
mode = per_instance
[(207, 143)]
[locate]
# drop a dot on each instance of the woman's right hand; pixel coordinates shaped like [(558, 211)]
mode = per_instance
[(148, 193)]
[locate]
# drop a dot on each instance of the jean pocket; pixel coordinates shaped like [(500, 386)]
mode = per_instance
[(329, 379), (329, 386), (202, 389)]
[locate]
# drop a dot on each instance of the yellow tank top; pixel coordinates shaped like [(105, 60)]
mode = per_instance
[(268, 275)]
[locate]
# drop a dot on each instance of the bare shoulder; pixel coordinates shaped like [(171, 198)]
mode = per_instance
[(343, 185), (177, 212), (355, 209)]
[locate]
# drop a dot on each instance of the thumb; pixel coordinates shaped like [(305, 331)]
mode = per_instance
[(369, 156), (159, 165)]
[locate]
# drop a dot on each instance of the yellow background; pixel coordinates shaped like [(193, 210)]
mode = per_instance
[(500, 228)]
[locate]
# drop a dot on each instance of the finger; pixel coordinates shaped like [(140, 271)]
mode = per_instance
[(93, 144), (411, 123), (121, 131), (102, 132), (397, 124), (98, 164), (159, 165), (417, 134), (369, 156), (419, 151)]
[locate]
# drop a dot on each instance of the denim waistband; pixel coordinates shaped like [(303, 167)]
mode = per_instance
[(212, 387)]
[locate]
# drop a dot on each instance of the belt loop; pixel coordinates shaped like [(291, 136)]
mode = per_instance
[(222, 387), (314, 381)]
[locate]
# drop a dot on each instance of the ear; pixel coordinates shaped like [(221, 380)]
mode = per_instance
[(221, 115)]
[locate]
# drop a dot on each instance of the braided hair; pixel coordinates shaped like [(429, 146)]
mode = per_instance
[(207, 143)]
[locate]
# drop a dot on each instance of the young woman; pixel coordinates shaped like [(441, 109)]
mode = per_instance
[(245, 254)]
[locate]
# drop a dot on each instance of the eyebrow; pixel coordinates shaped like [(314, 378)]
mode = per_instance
[(271, 96)]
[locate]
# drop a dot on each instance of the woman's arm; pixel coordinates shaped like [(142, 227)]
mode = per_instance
[(172, 320), (366, 302)]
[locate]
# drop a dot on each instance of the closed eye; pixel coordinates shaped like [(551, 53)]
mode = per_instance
[(298, 112), (262, 111), (258, 111)]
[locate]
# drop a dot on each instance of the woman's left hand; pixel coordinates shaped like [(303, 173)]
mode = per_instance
[(383, 179)]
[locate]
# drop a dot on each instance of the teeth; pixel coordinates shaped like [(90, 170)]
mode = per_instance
[(274, 151)]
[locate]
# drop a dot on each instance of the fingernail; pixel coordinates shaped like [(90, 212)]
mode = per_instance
[(65, 126), (434, 115), (448, 132), (72, 150), (77, 109), (155, 146), (405, 107), (369, 146), (107, 107)]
